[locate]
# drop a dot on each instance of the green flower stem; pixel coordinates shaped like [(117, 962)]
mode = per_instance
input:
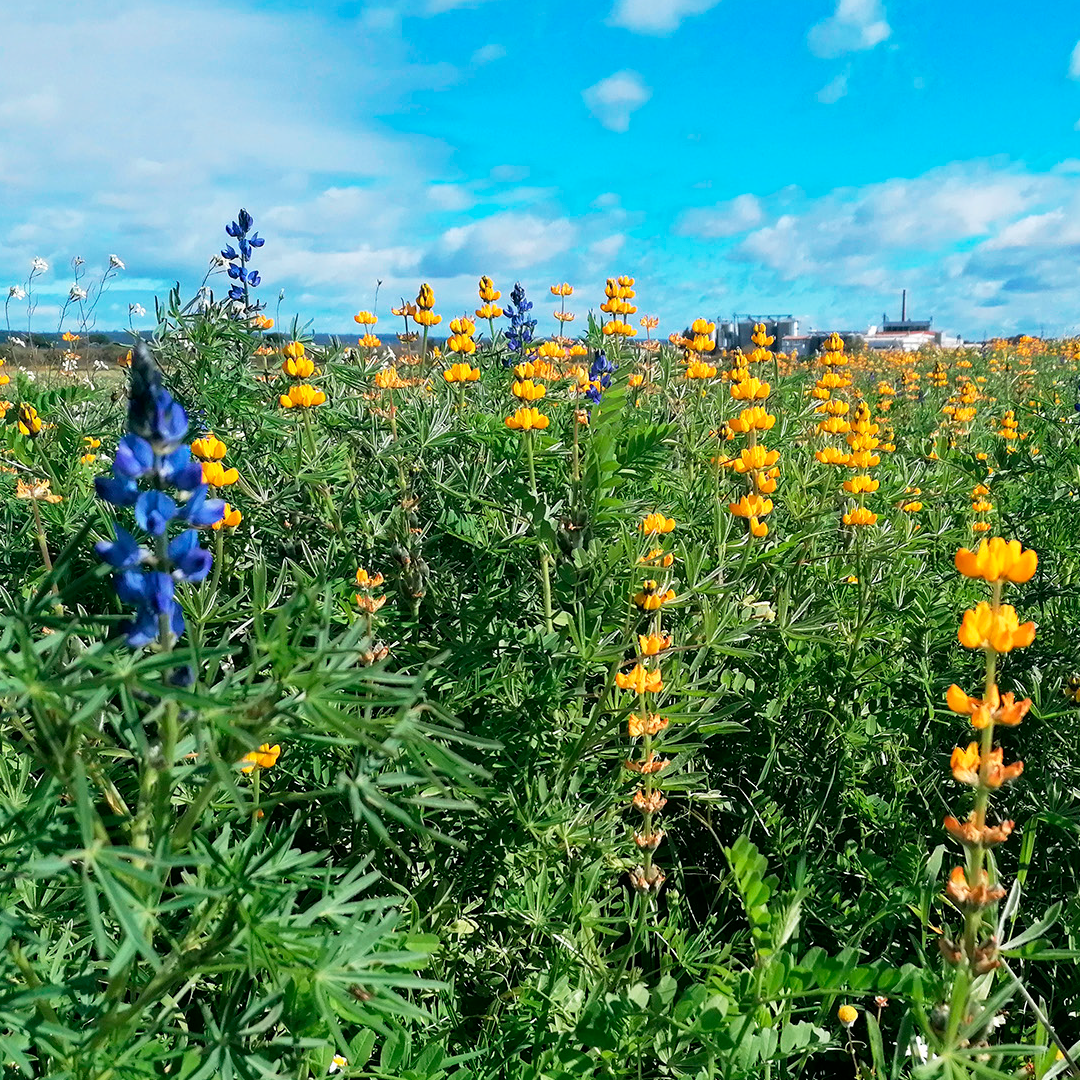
[(43, 547), (219, 551), (324, 491), (545, 555)]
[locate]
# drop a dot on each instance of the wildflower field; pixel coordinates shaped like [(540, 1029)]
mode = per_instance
[(469, 704)]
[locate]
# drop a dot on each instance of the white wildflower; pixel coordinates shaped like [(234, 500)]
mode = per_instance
[(77, 293), (17, 342), (338, 1063), (136, 310), (77, 261), (16, 292), (39, 266), (116, 263)]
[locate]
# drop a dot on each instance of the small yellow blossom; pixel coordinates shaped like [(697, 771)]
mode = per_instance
[(655, 524), (230, 519), (527, 419), (209, 448), (263, 758), (302, 396), (216, 475)]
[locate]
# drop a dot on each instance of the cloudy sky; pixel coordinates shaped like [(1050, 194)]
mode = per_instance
[(752, 156)]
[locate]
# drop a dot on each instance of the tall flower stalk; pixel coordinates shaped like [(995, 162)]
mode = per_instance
[(154, 474), (645, 680), (755, 461), (995, 629), (529, 420)]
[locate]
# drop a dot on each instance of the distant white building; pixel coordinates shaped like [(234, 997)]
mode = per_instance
[(908, 335), (909, 340)]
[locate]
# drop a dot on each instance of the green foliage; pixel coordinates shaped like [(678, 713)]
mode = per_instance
[(432, 879)]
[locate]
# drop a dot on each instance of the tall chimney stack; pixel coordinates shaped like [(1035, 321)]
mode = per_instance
[(903, 306)]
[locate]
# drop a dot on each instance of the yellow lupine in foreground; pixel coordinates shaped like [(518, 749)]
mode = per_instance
[(527, 419), (997, 628), (302, 396), (460, 373), (998, 560), (216, 475)]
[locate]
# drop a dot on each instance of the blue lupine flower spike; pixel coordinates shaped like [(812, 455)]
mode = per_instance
[(244, 278), (520, 333), (154, 473)]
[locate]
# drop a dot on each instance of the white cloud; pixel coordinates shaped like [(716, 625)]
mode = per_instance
[(854, 25), (1074, 62), (981, 244), (738, 215), (451, 196), (511, 240), (834, 90), (656, 16), (612, 100), (603, 251), (487, 54)]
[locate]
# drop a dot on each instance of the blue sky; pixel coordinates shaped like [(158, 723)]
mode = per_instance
[(803, 156)]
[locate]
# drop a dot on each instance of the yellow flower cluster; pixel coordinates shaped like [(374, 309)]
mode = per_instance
[(527, 419), (461, 373), (298, 365), (563, 291), (980, 507), (210, 450), (488, 294), (619, 292), (461, 336), (863, 441), (29, 422), (756, 462), (366, 601)]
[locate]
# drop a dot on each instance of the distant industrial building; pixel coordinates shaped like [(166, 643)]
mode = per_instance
[(801, 345), (908, 335), (893, 335), (736, 332)]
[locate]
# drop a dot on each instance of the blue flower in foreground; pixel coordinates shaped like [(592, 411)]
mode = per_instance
[(153, 472), (522, 326)]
